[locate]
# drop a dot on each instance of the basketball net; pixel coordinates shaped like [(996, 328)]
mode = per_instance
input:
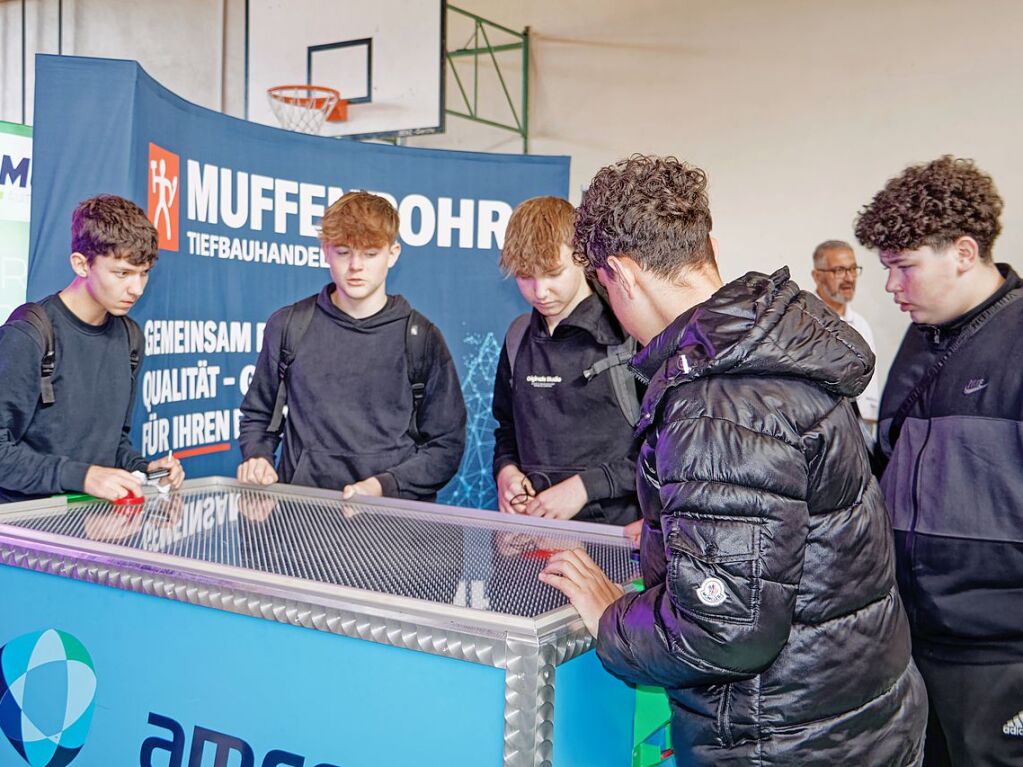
[(304, 108)]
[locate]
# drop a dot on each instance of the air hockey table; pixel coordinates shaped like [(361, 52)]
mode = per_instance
[(227, 626)]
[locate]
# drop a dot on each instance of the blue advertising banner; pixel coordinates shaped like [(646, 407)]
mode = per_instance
[(236, 205)]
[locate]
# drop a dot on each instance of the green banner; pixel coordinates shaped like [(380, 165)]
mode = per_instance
[(15, 197)]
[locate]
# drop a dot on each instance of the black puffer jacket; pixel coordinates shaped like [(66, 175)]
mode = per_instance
[(771, 613)]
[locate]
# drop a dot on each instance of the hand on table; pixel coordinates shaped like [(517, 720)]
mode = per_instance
[(256, 471), (513, 490), (369, 486), (634, 532), (577, 576), (561, 501), (177, 472), (110, 484)]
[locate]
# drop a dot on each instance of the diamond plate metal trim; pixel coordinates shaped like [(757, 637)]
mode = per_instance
[(488, 651), (529, 704)]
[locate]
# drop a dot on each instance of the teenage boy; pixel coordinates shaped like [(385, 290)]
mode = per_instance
[(770, 613), (64, 424), (374, 403), (563, 444), (951, 437)]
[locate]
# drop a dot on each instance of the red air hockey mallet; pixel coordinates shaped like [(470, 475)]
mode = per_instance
[(540, 553), (130, 502)]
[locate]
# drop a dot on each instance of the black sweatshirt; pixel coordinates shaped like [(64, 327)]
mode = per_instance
[(47, 449), (350, 404), (553, 424)]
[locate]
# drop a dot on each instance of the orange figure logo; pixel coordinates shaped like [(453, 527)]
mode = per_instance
[(164, 172)]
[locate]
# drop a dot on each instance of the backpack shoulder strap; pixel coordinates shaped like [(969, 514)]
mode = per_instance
[(416, 329), (136, 342), (895, 428), (39, 323), (623, 383), (513, 339), (296, 323)]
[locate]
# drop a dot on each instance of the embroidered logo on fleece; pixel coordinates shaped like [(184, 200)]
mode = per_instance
[(975, 385)]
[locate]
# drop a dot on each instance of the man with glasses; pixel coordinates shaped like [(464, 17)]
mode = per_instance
[(835, 272)]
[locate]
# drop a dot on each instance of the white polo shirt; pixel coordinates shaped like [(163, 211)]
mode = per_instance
[(868, 402)]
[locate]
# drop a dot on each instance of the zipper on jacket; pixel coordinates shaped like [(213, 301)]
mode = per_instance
[(909, 547), (724, 717)]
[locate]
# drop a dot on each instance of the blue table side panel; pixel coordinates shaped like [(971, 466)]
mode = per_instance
[(331, 699), (593, 714)]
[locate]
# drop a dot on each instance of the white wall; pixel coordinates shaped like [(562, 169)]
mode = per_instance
[(798, 109), (179, 43)]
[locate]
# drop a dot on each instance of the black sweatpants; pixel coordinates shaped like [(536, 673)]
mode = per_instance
[(976, 714)]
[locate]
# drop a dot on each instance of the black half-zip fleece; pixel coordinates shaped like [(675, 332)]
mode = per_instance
[(47, 449), (553, 423), (350, 404), (953, 484)]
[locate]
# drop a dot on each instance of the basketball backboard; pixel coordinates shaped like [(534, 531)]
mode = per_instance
[(385, 57)]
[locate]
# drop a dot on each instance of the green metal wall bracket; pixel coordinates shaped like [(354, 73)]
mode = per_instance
[(478, 45)]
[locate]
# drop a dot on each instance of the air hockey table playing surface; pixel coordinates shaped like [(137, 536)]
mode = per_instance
[(433, 579)]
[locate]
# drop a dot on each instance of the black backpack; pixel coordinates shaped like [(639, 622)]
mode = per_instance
[(40, 326), (300, 315), (616, 363)]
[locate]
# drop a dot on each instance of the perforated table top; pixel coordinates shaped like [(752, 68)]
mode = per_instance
[(481, 560)]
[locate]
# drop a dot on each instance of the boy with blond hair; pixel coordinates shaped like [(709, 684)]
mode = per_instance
[(374, 405), (564, 399)]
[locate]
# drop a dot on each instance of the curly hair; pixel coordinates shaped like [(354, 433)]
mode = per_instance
[(108, 225), (360, 220), (933, 204), (653, 209), (536, 231)]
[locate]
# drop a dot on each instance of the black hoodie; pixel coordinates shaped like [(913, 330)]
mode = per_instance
[(553, 424), (771, 614), (350, 404)]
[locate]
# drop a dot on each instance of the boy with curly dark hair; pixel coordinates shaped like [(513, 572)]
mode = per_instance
[(951, 448), (770, 614)]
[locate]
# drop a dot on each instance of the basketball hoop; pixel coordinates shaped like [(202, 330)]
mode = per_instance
[(303, 108)]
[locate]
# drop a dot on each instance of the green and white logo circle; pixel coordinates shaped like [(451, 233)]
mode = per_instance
[(47, 692)]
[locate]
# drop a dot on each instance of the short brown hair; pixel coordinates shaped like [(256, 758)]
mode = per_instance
[(536, 231), (933, 204), (108, 225), (653, 209), (360, 220)]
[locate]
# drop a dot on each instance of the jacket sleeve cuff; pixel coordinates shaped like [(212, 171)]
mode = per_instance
[(138, 464), (388, 483), (72, 476), (597, 483), (500, 463), (612, 645)]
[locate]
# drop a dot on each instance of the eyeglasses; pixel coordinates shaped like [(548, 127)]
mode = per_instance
[(844, 271), (536, 478)]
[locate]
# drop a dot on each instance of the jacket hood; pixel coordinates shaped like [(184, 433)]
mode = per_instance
[(396, 308), (759, 325)]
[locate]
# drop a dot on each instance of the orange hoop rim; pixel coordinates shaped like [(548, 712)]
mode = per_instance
[(337, 112)]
